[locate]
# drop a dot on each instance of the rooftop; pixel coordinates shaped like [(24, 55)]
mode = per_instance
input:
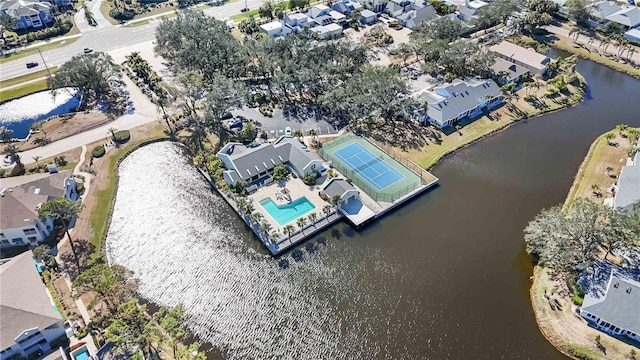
[(274, 25), (20, 281), (629, 17), (337, 186), (24, 209), (518, 53), (628, 192), (367, 13), (512, 69), (617, 302)]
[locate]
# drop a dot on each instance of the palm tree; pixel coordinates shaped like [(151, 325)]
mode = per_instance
[(265, 228), (241, 203), (313, 133), (301, 222), (248, 208), (631, 49), (312, 218), (590, 41), (37, 160), (609, 137), (5, 133), (288, 229), (326, 210), (298, 134), (575, 32), (596, 189), (275, 236), (161, 103), (12, 151), (609, 170), (255, 217), (335, 200), (112, 131)]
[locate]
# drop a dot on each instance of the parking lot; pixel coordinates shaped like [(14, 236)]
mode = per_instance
[(276, 125)]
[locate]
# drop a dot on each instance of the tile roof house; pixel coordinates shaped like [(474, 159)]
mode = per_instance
[(628, 17), (30, 14), (527, 57), (448, 103), (29, 325), (251, 164), (614, 307), (628, 188), (21, 225)]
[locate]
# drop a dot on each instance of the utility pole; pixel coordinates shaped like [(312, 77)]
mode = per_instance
[(44, 62)]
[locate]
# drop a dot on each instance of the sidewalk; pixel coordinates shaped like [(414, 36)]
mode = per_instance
[(44, 42)]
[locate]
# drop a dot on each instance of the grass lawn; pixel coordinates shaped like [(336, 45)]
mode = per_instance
[(100, 215), (105, 7), (136, 24), (34, 51), (23, 90), (244, 15), (28, 77), (594, 56), (430, 154), (594, 167)]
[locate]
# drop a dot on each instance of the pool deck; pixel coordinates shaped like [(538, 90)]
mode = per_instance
[(357, 213)]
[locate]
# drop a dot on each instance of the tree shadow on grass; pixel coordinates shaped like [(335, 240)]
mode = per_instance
[(84, 249)]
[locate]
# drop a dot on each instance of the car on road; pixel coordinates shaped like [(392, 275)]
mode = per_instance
[(32, 64), (88, 50), (287, 131)]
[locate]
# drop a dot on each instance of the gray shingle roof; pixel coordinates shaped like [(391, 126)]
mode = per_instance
[(628, 186), (337, 187), (19, 8), (628, 17), (615, 305), (18, 210), (20, 281), (447, 101), (512, 69), (249, 162)]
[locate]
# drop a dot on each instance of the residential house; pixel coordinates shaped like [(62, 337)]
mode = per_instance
[(614, 307), (410, 13), (368, 17), (633, 35), (253, 163), (527, 57), (447, 104), (29, 14), (507, 71), (30, 327), (319, 14), (21, 225), (337, 17), (297, 21), (326, 32), (275, 28), (600, 10), (627, 17), (628, 188), (469, 10), (346, 7)]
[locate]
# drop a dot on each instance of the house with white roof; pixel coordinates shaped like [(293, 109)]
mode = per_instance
[(415, 13), (507, 71), (449, 103), (633, 35), (320, 14), (253, 163), (469, 10), (613, 306), (21, 225), (28, 13), (297, 21), (346, 7), (527, 57), (627, 17), (600, 10), (329, 31), (628, 188), (275, 28), (368, 17), (30, 327)]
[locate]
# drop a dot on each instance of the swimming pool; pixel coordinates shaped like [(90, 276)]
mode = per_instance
[(286, 213), (82, 356)]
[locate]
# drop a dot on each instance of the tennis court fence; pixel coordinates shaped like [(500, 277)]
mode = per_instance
[(424, 175), (366, 187)]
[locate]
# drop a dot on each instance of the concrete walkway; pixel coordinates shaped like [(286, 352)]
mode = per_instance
[(143, 112), (79, 304), (94, 7)]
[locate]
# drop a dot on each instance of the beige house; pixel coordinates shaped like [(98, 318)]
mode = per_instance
[(527, 57)]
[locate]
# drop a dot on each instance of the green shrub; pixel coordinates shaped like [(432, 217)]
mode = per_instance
[(118, 14), (60, 161), (82, 333), (98, 151), (309, 178), (579, 352), (280, 172), (577, 299), (122, 136), (17, 170)]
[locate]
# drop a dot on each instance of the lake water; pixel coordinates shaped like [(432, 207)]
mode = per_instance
[(444, 277), (18, 114)]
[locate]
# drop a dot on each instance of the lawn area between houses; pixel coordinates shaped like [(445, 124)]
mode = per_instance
[(593, 169), (471, 131), (555, 315), (52, 44), (93, 222), (28, 77), (23, 90)]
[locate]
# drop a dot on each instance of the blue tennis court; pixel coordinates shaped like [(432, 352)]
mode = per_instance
[(371, 168)]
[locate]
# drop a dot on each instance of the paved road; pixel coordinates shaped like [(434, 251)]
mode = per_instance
[(107, 38)]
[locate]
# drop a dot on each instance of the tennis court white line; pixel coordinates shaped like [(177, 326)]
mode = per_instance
[(370, 180)]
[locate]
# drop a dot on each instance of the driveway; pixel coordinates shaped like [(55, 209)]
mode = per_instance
[(276, 125)]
